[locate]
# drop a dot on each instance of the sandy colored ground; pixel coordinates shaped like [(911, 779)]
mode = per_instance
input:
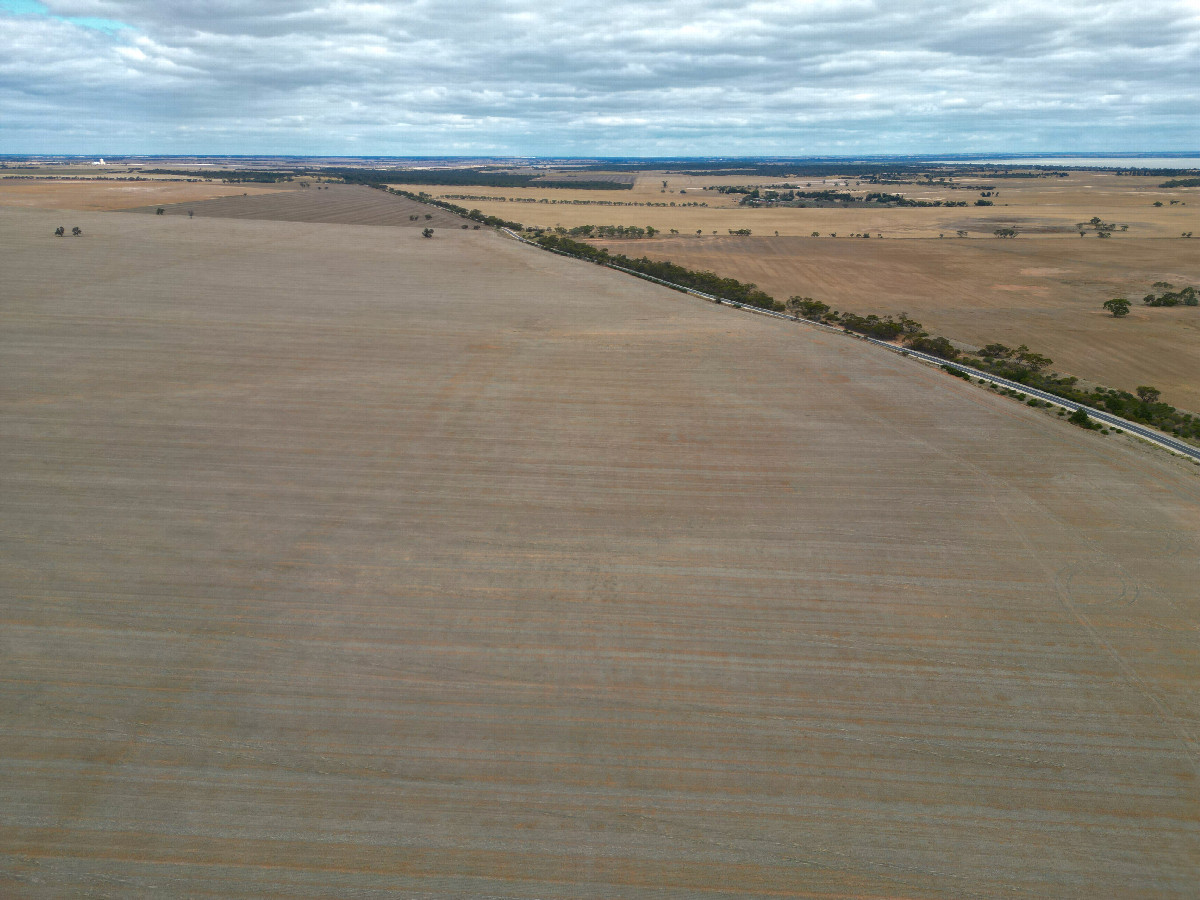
[(1047, 207), (337, 204), (1046, 294), (101, 194), (340, 562)]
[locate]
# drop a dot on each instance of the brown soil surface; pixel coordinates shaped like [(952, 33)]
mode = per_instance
[(340, 562), (336, 204), (1043, 293), (110, 194)]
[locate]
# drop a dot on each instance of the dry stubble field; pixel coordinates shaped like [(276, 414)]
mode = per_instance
[(341, 564), (109, 194)]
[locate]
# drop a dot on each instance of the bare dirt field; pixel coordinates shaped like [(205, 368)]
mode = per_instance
[(1046, 294), (340, 562), (108, 194), (338, 204)]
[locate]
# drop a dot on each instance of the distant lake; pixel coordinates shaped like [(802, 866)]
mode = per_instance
[(1108, 162)]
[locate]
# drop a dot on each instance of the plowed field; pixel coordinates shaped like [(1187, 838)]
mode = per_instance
[(337, 204), (339, 562)]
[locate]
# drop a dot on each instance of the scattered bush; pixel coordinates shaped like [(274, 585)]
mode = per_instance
[(1083, 420), (808, 308), (934, 346)]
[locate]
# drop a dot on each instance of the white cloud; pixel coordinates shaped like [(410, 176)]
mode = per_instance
[(525, 77)]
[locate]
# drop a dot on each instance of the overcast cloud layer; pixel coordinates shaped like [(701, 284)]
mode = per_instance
[(546, 77)]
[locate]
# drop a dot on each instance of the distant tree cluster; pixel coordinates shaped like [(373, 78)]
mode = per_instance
[(758, 196), (473, 178), (1171, 297), (1103, 229)]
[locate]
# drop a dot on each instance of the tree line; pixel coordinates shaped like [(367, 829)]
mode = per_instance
[(755, 195), (707, 282)]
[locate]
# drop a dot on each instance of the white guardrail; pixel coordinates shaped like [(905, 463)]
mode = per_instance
[(1155, 437)]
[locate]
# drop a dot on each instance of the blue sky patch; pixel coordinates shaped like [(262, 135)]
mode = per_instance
[(34, 8)]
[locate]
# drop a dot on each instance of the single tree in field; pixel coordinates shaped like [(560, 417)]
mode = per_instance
[(77, 231), (59, 231), (1148, 394), (160, 211), (428, 232), (1118, 306)]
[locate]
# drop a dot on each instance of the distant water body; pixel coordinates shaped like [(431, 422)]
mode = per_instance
[(1107, 162)]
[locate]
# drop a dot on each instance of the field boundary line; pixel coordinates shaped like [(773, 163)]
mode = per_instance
[(1141, 431)]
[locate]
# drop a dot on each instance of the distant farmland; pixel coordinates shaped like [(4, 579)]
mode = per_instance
[(111, 194)]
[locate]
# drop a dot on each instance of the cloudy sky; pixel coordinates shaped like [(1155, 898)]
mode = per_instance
[(551, 77)]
